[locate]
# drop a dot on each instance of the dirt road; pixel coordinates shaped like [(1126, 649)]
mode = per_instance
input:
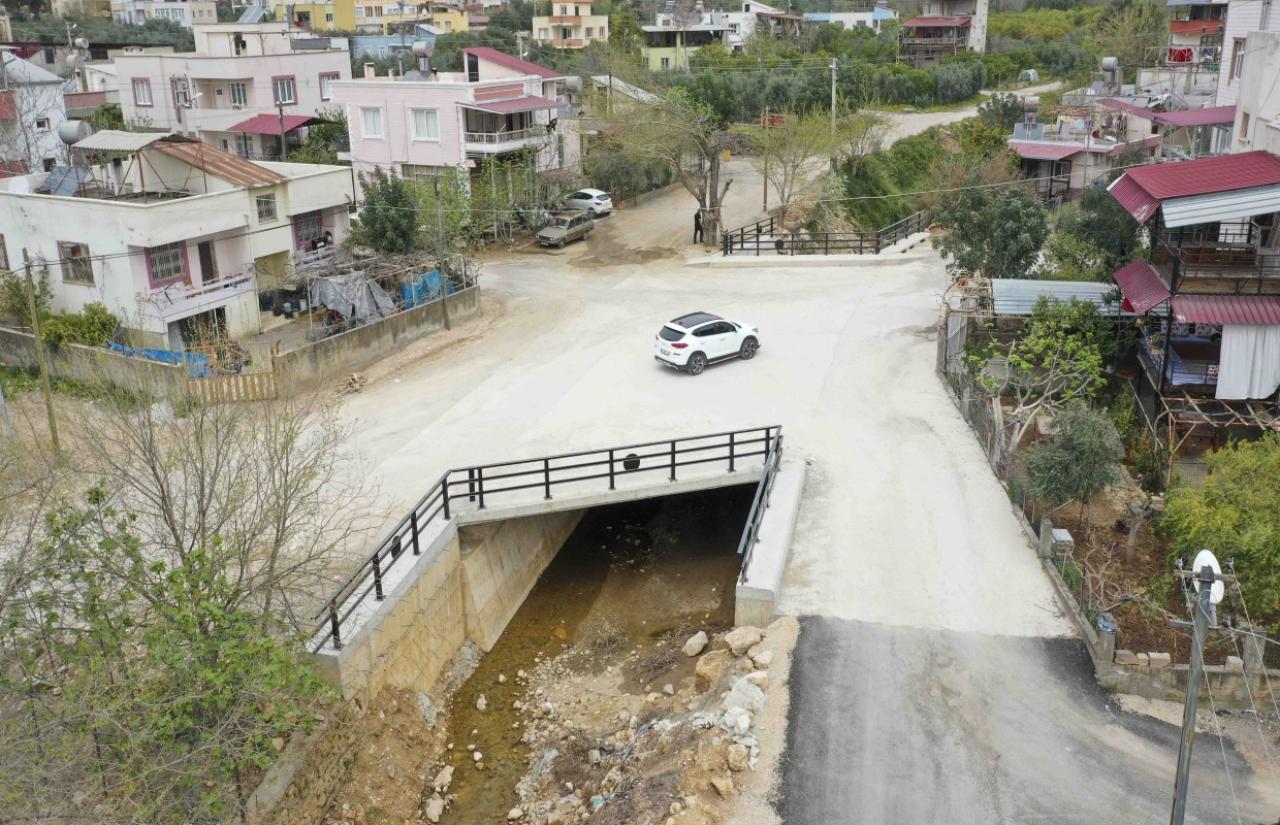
[(904, 124)]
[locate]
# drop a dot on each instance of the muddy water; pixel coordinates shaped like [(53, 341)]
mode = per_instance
[(629, 578)]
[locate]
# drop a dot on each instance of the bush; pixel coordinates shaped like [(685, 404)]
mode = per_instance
[(957, 81), (14, 304), (1080, 461), (95, 327), (609, 167)]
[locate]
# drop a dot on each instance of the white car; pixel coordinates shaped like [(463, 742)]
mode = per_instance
[(693, 341), (592, 201)]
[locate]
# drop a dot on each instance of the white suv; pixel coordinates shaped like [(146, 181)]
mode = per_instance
[(592, 201), (693, 341)]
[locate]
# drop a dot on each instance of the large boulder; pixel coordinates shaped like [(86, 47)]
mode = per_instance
[(695, 644), (711, 668), (744, 695)]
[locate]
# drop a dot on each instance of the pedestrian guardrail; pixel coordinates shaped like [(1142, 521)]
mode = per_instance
[(759, 503), (477, 487), (765, 237)]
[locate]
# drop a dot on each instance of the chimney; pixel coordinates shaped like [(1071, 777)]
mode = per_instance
[(370, 71)]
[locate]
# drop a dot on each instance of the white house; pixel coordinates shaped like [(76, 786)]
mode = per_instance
[(247, 88), (174, 236), (1257, 123), (185, 13), (738, 26), (1243, 18), (866, 18), (31, 110)]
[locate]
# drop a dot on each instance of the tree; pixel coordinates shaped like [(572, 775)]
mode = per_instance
[(784, 152), (1235, 512), (994, 232), (685, 135), (1058, 359), (1131, 31), (1100, 221), (388, 221), (1081, 460), (625, 33), (107, 116), (323, 139)]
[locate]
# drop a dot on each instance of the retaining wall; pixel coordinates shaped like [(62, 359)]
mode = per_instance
[(92, 365), (329, 358)]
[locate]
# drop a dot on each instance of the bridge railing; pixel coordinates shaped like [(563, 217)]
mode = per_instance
[(768, 237), (475, 488), (759, 503)]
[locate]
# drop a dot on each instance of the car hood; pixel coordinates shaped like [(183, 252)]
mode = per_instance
[(551, 231)]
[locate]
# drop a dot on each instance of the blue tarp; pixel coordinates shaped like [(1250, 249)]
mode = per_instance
[(197, 362), (422, 288)]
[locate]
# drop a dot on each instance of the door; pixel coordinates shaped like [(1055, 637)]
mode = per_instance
[(712, 339), (208, 262)]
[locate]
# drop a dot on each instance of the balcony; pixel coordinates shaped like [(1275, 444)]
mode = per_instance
[(1218, 258), (182, 299), (1195, 27), (943, 40), (565, 20), (492, 143), (569, 43)]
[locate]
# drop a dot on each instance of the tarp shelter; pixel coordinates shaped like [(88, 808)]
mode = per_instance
[(353, 295)]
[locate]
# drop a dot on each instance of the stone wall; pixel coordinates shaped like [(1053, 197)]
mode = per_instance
[(299, 785), (328, 359), (92, 365)]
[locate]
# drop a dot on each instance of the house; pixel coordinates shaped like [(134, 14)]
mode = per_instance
[(185, 13), (1208, 294), (418, 127), (388, 18), (669, 47), (31, 110), (1257, 123), (943, 29), (172, 235), (248, 88), (738, 26), (1195, 33), (319, 16), (571, 25), (1184, 133), (383, 46), (1244, 17), (870, 18)]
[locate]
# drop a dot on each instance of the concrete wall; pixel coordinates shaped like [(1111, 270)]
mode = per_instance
[(327, 359), (501, 563), (92, 365)]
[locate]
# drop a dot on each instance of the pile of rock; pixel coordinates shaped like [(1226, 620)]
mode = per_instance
[(352, 383)]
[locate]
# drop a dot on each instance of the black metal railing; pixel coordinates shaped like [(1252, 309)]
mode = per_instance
[(767, 236), (760, 503), (478, 486)]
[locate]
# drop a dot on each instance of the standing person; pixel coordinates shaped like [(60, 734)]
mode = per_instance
[(697, 226)]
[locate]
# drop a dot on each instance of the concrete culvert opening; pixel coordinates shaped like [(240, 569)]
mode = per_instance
[(597, 637)]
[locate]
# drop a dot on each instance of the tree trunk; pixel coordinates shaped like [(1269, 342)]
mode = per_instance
[(711, 220)]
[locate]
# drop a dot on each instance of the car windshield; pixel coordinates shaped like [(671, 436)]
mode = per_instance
[(669, 334), (563, 223)]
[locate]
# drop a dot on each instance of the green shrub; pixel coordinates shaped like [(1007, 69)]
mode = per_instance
[(95, 327)]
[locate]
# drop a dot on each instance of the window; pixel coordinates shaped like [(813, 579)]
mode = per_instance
[(1244, 127), (283, 90), (167, 264), (326, 89), (590, 32), (371, 123), (77, 268), (239, 94), (543, 35), (42, 124), (266, 207), (360, 12), (1237, 58), (419, 173), (564, 11), (424, 124), (142, 92), (4, 255), (666, 63), (307, 229), (328, 17)]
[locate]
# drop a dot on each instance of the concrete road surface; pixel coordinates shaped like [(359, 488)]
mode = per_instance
[(935, 679)]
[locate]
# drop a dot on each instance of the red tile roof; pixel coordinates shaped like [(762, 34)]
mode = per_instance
[(516, 104), (1141, 287), (513, 63), (1227, 309), (936, 22)]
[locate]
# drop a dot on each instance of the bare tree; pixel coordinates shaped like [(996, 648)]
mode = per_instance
[(30, 135), (784, 153)]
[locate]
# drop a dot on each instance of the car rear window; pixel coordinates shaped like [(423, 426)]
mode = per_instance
[(669, 334)]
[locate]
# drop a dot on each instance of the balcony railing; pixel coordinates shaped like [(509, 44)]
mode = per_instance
[(174, 298), (1193, 27), (570, 43), (492, 138), (947, 40), (1228, 252)]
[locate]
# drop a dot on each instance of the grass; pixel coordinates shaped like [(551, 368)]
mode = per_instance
[(18, 381), (937, 107)]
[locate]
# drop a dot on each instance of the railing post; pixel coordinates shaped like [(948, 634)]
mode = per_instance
[(480, 485), (471, 484), (879, 240), (335, 628), (413, 524), (826, 243), (546, 479), (766, 443), (444, 492), (611, 469), (731, 452), (377, 576), (673, 461)]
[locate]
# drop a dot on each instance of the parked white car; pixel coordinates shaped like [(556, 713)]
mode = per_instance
[(693, 341), (592, 201)]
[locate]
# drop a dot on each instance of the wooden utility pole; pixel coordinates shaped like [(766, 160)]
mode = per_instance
[(45, 386), (440, 258)]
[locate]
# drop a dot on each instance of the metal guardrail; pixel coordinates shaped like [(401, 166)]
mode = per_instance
[(764, 236), (477, 485), (760, 503)]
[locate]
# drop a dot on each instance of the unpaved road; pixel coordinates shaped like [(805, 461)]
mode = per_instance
[(903, 124), (934, 680)]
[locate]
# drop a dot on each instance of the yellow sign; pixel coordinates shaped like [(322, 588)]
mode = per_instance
[(725, 154)]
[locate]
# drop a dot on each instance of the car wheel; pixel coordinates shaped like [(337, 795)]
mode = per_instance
[(697, 363), (748, 350), (591, 213), (560, 245)]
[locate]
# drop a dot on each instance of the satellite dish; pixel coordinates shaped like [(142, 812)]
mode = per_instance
[(74, 131), (1217, 589)]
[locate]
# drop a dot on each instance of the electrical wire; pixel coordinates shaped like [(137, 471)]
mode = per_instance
[(1239, 591)]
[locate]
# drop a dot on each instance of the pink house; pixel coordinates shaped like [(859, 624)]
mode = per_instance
[(499, 106)]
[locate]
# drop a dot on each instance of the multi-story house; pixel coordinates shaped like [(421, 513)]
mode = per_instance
[(737, 26), (1195, 33), (669, 47), (185, 13), (1257, 109), (570, 25), (500, 106), (1208, 294), (943, 29), (319, 16), (1244, 17), (388, 18), (173, 236), (248, 88), (31, 110), (872, 17)]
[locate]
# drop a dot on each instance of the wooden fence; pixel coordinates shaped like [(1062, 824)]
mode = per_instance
[(224, 389)]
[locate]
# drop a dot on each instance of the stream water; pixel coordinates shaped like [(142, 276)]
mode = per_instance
[(628, 578)]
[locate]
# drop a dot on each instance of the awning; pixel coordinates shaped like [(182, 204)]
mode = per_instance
[(1208, 116), (113, 140), (1136, 200), (1141, 287), (270, 124), (1227, 309), (517, 104), (1221, 206), (1033, 150)]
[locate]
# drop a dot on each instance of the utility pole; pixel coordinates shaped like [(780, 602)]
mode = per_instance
[(833, 95), (45, 387), (765, 186), (440, 262), (1208, 583)]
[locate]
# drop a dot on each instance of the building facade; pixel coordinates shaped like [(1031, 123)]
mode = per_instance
[(872, 18), (185, 13), (668, 48), (337, 14), (247, 88), (1257, 110), (31, 110), (173, 236), (1244, 17), (943, 29), (571, 25)]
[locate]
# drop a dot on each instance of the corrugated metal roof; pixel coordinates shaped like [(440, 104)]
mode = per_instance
[(1136, 200), (1125, 106), (1204, 175), (936, 22), (223, 165), (1018, 296), (1034, 150), (1221, 206), (1141, 286), (1208, 116), (1227, 309), (528, 103), (513, 63), (270, 124), (114, 140)]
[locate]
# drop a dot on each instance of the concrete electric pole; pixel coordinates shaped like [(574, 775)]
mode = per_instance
[(833, 95)]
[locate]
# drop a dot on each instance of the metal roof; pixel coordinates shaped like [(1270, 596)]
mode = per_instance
[(936, 22), (1136, 200), (19, 72), (1018, 296), (528, 103), (223, 165), (114, 140), (513, 63), (1227, 309), (1204, 175), (266, 124), (1142, 287), (1207, 116), (1034, 150), (1221, 206)]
